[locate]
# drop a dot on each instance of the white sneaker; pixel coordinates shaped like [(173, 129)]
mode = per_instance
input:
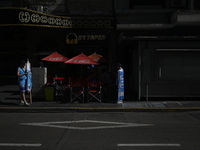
[(27, 104), (21, 103), (119, 102)]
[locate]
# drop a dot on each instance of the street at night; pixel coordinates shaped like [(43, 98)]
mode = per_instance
[(100, 131)]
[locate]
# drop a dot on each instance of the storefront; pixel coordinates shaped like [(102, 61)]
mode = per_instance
[(30, 34)]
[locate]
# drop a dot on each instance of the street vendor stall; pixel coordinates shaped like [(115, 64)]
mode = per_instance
[(56, 88), (80, 59)]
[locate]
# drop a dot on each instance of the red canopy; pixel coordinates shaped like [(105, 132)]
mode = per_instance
[(81, 59), (98, 58), (56, 57)]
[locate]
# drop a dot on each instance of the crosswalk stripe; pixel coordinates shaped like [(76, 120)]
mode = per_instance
[(153, 144), (20, 144)]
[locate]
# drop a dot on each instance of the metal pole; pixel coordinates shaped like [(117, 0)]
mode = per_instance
[(139, 71), (147, 92)]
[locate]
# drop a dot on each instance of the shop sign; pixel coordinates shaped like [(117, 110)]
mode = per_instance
[(73, 38), (26, 17), (91, 37)]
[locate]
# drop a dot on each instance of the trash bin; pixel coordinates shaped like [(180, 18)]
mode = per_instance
[(49, 93)]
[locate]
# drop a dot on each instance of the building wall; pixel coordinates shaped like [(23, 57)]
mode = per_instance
[(13, 48), (162, 38), (170, 68)]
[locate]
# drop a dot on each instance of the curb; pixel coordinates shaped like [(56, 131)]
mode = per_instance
[(94, 109), (136, 109)]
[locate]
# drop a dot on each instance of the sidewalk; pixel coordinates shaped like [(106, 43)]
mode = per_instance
[(9, 102)]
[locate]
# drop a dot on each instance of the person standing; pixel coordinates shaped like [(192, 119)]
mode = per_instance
[(120, 83), (21, 74)]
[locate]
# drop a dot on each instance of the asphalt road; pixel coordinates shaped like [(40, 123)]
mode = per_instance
[(100, 131)]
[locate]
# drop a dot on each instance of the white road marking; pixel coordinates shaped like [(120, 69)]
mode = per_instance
[(147, 145), (20, 144), (62, 124), (180, 103)]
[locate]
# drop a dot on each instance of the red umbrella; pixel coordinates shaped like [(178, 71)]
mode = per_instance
[(81, 59), (55, 57), (98, 58)]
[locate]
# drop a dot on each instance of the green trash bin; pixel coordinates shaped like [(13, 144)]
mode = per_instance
[(49, 93)]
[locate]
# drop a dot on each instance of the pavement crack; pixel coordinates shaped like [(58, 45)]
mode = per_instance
[(59, 142), (125, 118)]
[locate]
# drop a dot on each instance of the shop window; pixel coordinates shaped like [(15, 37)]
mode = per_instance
[(178, 66)]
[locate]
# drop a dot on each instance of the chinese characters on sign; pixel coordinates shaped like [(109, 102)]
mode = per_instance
[(43, 19)]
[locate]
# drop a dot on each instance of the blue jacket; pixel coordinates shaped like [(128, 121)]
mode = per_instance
[(22, 79)]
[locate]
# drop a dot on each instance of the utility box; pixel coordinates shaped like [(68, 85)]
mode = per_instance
[(39, 77)]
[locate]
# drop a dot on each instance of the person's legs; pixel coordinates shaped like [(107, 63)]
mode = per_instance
[(21, 99), (24, 98), (22, 95)]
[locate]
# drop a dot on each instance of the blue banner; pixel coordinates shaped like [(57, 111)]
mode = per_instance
[(120, 84), (29, 77)]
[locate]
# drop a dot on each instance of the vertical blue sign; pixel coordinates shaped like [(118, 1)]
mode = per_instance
[(29, 77), (120, 84)]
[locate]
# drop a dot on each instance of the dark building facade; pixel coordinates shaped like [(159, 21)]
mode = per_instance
[(35, 29), (157, 42), (161, 41)]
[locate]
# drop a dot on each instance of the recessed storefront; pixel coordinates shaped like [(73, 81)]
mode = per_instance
[(44, 34)]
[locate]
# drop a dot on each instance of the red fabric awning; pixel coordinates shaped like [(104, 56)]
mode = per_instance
[(98, 58), (56, 57), (81, 59)]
